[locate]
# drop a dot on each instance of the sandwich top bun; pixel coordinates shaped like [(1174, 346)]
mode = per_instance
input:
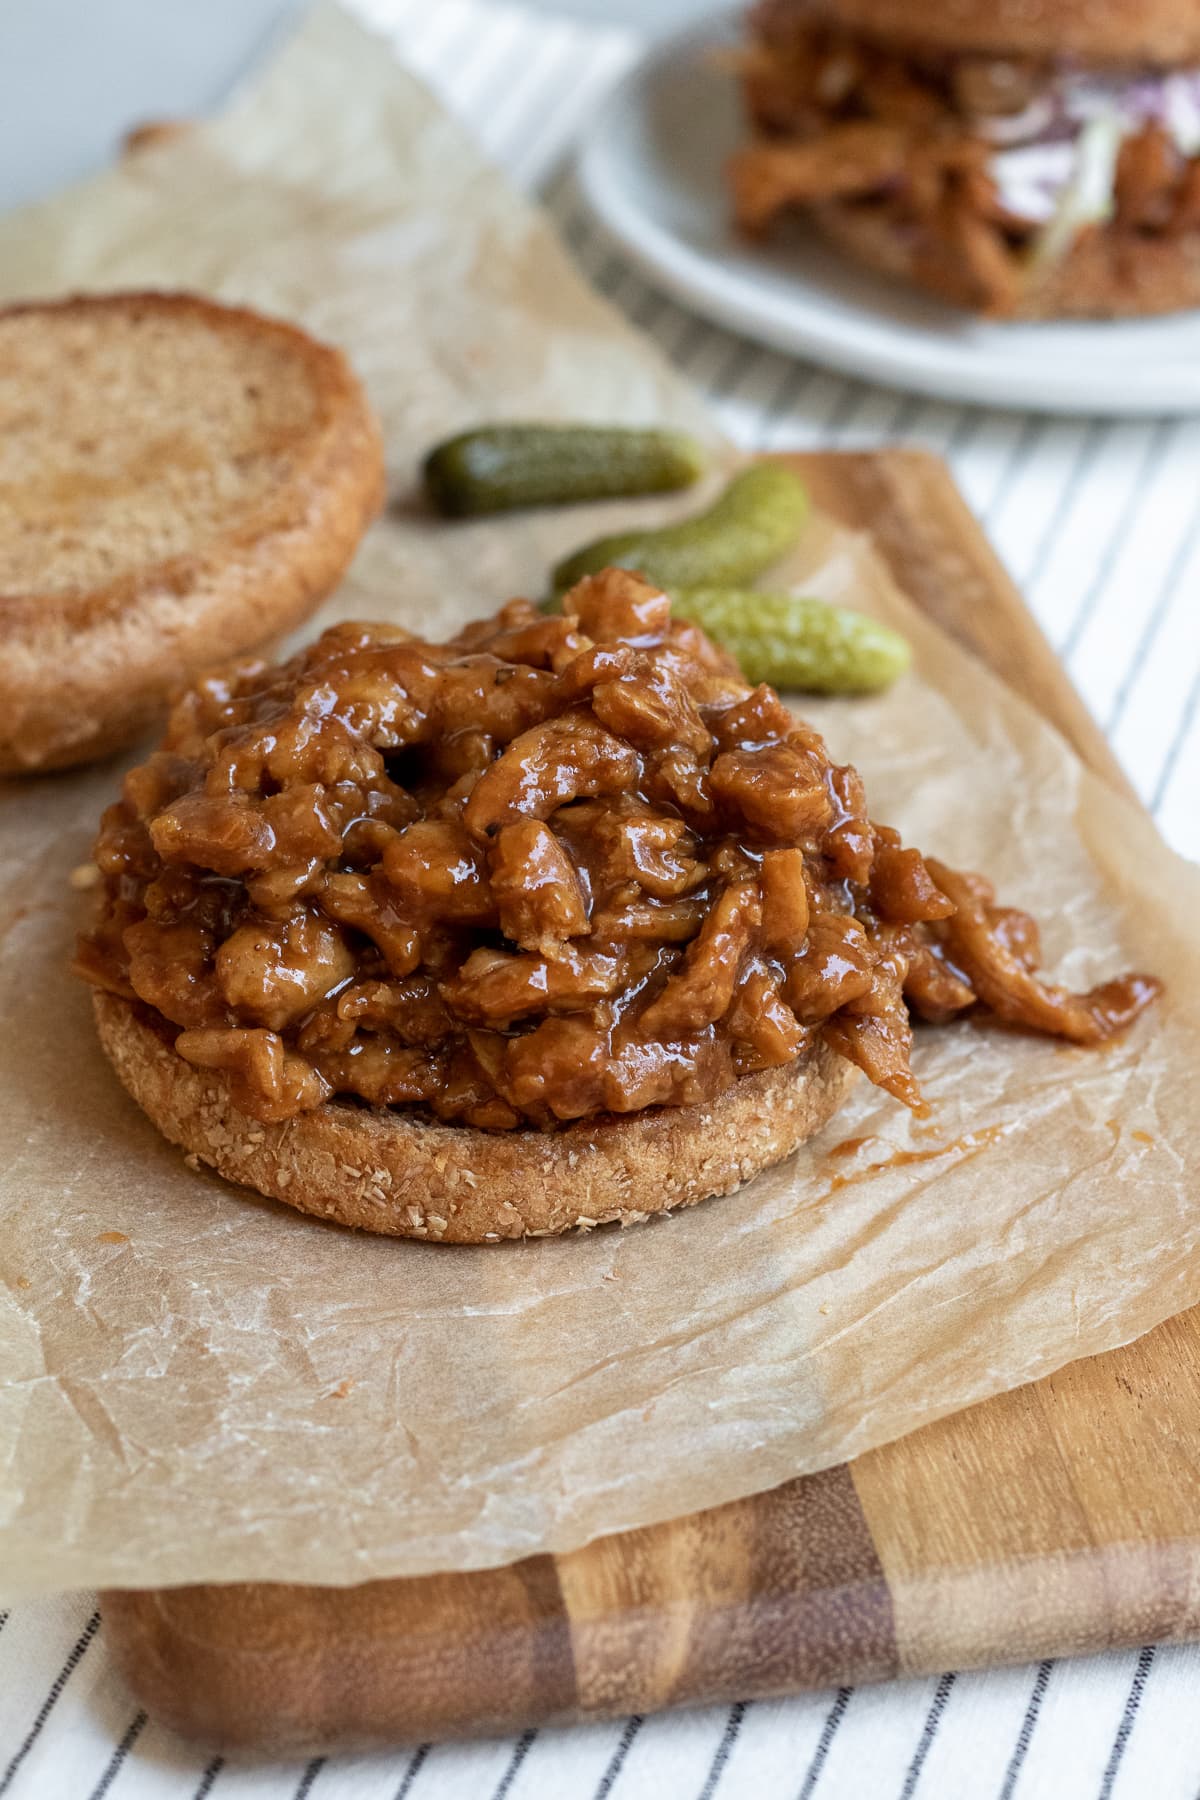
[(1103, 275), (1161, 32), (181, 481)]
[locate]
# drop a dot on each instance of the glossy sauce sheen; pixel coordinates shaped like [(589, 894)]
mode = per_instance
[(555, 868), (970, 1144)]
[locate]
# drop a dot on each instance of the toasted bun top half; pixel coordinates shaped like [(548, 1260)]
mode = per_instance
[(1160, 32)]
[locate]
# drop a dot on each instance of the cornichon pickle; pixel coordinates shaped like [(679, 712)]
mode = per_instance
[(500, 467), (794, 642), (755, 521)]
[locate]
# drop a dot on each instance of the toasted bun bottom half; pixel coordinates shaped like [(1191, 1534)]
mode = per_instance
[(194, 480), (407, 1176), (1088, 31), (1107, 274)]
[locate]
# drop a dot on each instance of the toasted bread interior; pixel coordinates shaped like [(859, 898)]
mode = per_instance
[(180, 481), (128, 437)]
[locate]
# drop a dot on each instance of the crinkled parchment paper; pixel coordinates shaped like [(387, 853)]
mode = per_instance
[(198, 1384)]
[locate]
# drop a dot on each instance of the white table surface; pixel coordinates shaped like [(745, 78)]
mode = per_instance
[(1100, 524), (76, 74)]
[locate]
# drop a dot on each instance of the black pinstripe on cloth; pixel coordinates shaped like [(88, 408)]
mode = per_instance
[(416, 1763), (520, 1751), (1125, 1729), (208, 1779), (933, 1719), (305, 1785), (133, 1732), (833, 1719), (1041, 1682), (77, 1653), (733, 1726), (616, 1761)]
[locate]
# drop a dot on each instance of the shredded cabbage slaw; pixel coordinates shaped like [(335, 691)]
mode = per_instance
[(1055, 161)]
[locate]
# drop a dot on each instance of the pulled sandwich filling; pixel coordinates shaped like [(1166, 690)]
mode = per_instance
[(554, 868), (983, 169)]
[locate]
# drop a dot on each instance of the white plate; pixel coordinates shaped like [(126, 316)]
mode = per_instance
[(651, 168)]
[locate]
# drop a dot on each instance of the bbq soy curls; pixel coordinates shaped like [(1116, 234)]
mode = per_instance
[(497, 468)]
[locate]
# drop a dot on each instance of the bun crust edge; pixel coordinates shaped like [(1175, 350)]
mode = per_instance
[(1107, 274), (406, 1176), (1092, 31), (88, 672)]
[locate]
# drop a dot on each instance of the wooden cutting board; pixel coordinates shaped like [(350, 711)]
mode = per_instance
[(1062, 1517)]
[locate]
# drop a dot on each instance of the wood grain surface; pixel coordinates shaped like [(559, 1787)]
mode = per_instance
[(1062, 1517)]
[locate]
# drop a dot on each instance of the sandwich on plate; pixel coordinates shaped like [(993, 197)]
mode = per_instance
[(1032, 159)]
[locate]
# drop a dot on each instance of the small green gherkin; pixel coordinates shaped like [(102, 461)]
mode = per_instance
[(754, 523), (795, 642), (498, 468)]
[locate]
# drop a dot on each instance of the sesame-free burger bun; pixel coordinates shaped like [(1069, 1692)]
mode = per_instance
[(403, 1175), (1106, 274), (1161, 32), (183, 481)]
